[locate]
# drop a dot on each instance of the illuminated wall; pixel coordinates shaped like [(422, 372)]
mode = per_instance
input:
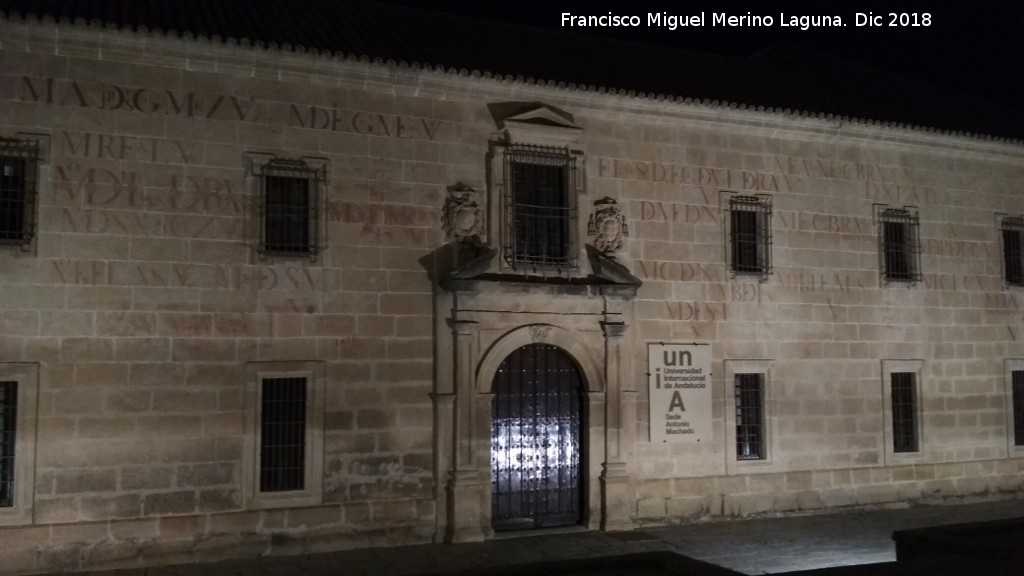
[(146, 312)]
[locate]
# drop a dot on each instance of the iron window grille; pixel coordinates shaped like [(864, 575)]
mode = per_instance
[(1018, 407), (540, 207), (1013, 254), (282, 464), (750, 235), (19, 160), (750, 432), (8, 418), (904, 412), (900, 244), (289, 207)]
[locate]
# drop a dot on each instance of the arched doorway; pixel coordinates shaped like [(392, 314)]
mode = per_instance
[(536, 453)]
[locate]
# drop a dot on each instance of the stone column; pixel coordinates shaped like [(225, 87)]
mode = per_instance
[(615, 499), (465, 487)]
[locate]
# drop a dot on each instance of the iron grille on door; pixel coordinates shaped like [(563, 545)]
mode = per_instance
[(535, 440), (283, 434), (8, 418)]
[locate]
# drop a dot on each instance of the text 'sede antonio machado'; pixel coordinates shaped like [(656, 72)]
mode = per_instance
[(748, 20)]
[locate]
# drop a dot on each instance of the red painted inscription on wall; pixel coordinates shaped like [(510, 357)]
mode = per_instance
[(889, 193), (679, 271), (687, 213), (207, 207), (957, 248), (206, 195), (819, 282), (85, 221), (960, 282), (97, 186), (76, 185), (134, 99), (82, 272), (220, 276), (143, 274), (824, 223), (722, 178), (206, 227), (696, 311), (744, 292), (841, 170), (268, 278), (131, 148), (386, 214), (123, 222), (1000, 301), (340, 120), (885, 184)]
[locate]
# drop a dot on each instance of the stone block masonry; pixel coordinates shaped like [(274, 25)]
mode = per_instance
[(144, 306)]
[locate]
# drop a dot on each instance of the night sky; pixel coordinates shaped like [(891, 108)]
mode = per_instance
[(969, 47)]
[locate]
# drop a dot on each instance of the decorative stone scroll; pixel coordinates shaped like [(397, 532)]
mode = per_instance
[(607, 227), (462, 218)]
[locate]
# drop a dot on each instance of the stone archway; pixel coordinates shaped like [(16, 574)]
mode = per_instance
[(487, 317)]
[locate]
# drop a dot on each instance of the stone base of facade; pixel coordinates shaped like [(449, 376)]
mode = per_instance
[(209, 538), (189, 539), (687, 499)]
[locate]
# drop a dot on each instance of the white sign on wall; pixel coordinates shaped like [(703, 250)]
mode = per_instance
[(679, 380)]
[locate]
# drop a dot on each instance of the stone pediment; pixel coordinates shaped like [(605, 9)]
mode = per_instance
[(543, 115), (532, 120)]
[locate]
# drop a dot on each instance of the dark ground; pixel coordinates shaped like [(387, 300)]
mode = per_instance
[(753, 546)]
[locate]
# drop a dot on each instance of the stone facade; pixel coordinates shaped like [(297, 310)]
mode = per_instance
[(140, 316)]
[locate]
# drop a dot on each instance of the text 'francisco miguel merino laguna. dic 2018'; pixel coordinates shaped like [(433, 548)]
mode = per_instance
[(721, 19)]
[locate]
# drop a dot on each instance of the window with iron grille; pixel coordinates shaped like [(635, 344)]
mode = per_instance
[(750, 429), (750, 235), (282, 434), (18, 190), (540, 207), (1018, 407), (289, 207), (1013, 255), (904, 411), (283, 458), (19, 382), (8, 433), (900, 246)]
